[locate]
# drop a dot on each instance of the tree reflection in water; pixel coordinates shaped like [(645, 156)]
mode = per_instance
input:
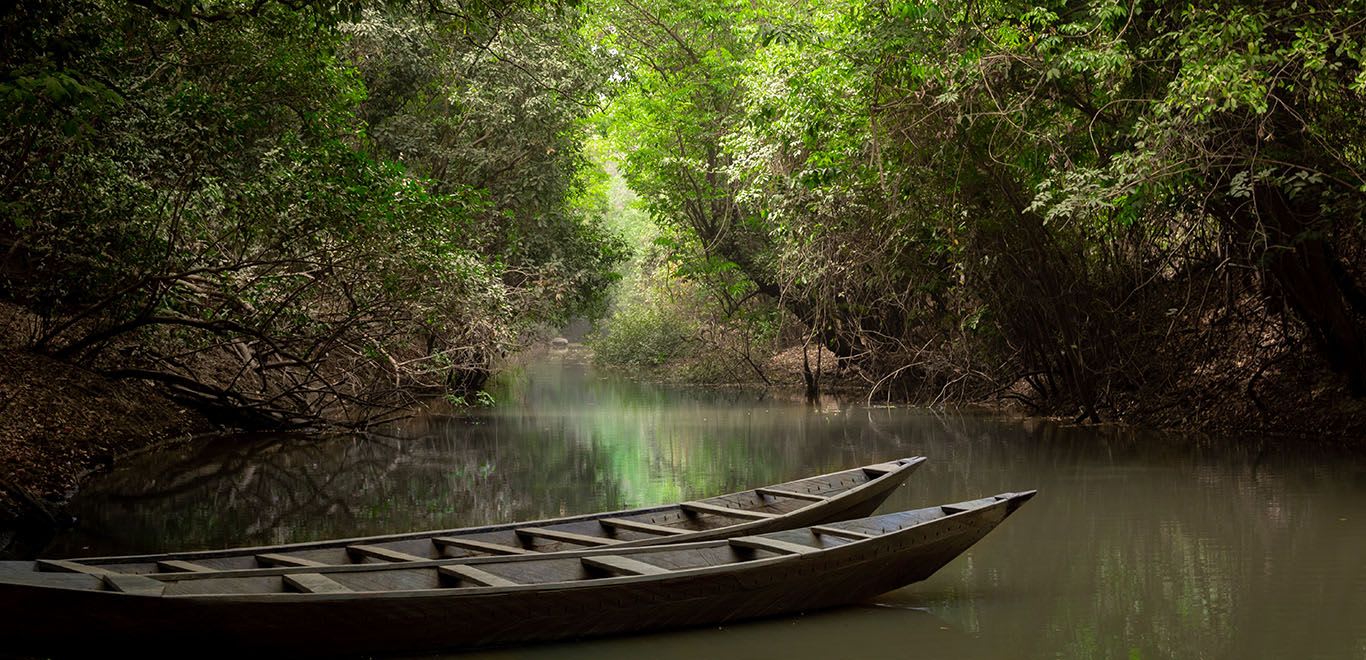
[(1139, 544)]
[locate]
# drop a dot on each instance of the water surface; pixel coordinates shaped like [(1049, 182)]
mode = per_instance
[(1139, 545)]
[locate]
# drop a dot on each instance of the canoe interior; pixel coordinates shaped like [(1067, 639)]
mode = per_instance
[(369, 609), (523, 571), (752, 511)]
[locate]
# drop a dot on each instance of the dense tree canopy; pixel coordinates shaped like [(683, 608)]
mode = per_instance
[(295, 208), (1069, 202), (313, 207)]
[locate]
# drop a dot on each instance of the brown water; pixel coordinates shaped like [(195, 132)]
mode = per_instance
[(1139, 545)]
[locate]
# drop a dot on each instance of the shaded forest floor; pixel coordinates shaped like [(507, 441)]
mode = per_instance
[(59, 422), (1295, 396)]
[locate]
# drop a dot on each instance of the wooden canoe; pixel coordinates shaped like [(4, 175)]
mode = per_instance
[(471, 602), (825, 498)]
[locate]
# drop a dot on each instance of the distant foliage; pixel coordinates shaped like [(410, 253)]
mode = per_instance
[(1067, 203), (686, 319), (649, 336)]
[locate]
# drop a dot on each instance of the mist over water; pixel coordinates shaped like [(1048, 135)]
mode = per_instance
[(1139, 544)]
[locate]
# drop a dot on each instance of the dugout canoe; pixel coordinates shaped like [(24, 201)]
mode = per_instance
[(443, 604), (824, 498)]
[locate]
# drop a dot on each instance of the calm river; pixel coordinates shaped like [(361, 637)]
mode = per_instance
[(1139, 545)]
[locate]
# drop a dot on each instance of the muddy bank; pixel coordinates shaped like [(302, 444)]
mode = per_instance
[(1294, 396), (59, 422)]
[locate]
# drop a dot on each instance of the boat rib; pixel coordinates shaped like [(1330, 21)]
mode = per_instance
[(703, 507), (778, 492), (772, 545), (271, 559), (637, 526), (480, 546), (845, 533), (314, 583), (134, 584), (623, 565), (182, 566), (568, 537), (475, 576), (380, 552)]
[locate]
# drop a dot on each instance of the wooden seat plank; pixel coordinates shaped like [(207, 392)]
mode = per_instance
[(568, 537), (882, 468), (275, 559), (481, 546), (703, 507), (380, 552), (314, 583), (477, 576), (623, 565), (772, 545), (778, 492), (178, 566), (637, 526), (64, 566), (836, 531), (128, 583), (50, 579)]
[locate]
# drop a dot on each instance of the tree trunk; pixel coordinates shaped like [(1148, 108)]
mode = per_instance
[(1299, 266)]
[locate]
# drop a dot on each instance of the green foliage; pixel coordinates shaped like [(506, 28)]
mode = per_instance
[(296, 209), (505, 113), (647, 336), (377, 195), (480, 399), (1026, 185)]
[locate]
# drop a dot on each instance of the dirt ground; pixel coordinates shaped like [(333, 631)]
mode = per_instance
[(59, 422)]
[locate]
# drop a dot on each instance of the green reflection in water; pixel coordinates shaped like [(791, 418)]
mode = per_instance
[(1139, 545)]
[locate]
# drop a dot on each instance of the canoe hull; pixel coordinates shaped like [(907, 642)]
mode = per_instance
[(55, 621)]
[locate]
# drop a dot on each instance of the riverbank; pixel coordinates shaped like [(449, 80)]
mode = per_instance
[(1293, 397), (59, 423), (1131, 532)]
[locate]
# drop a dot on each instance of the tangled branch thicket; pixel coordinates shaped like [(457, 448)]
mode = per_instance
[(286, 212), (1092, 208)]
